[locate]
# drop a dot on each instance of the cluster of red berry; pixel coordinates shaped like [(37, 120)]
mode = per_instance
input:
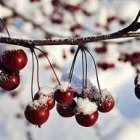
[(85, 108), (82, 101), (11, 62)]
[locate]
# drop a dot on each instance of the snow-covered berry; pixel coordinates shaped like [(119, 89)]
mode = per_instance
[(46, 96), (63, 93), (36, 113), (86, 112), (106, 101)]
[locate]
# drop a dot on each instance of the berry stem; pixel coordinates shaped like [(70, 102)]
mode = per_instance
[(32, 77), (95, 70), (83, 72), (49, 64), (73, 64), (5, 27), (86, 68), (38, 83)]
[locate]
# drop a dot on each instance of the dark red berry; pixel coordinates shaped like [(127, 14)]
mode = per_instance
[(14, 60), (36, 115), (66, 110), (9, 81), (64, 97), (87, 120), (55, 2), (137, 91), (101, 50), (105, 65), (35, 0), (122, 22), (72, 7), (110, 19), (57, 17), (105, 103)]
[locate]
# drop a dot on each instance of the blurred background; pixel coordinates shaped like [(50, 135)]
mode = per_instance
[(118, 63)]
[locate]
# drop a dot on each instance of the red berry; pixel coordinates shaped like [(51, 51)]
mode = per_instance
[(101, 50), (137, 91), (64, 97), (9, 81), (105, 103), (14, 60), (105, 65), (66, 110), (36, 115), (35, 0), (72, 7), (87, 120), (57, 17), (110, 19), (55, 2), (47, 99)]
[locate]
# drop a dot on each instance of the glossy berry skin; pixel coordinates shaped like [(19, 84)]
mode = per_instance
[(66, 110), (49, 103), (36, 116), (64, 97), (87, 120), (137, 91), (14, 60), (106, 104), (9, 81)]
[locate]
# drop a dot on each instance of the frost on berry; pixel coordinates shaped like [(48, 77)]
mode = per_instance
[(85, 106), (63, 93), (89, 92), (9, 81), (106, 101), (86, 113), (63, 86), (36, 113), (46, 97)]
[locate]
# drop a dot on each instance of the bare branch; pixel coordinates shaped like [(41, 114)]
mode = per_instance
[(128, 32)]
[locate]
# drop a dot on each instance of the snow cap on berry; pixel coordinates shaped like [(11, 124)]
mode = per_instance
[(105, 95), (85, 106), (35, 104), (63, 86), (105, 92), (38, 103), (45, 91)]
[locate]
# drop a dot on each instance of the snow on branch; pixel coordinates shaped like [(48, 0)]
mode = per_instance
[(129, 31)]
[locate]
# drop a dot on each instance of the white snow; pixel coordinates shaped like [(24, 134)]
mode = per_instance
[(85, 106), (63, 86), (45, 91), (122, 123)]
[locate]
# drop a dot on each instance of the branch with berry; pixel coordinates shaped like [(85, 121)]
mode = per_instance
[(80, 99)]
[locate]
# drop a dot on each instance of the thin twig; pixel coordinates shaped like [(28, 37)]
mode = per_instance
[(49, 63), (95, 70), (38, 83), (32, 77)]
